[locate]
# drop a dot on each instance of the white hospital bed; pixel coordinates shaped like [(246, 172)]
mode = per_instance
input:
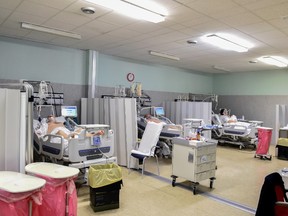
[(166, 135), (77, 152), (238, 133)]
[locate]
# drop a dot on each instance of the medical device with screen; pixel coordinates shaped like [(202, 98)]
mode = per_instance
[(69, 111), (159, 111)]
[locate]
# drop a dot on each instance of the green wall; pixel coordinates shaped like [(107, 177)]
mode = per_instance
[(21, 59), (252, 83), (34, 61), (113, 72)]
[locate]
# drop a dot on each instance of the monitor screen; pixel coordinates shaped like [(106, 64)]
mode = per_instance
[(69, 111), (159, 111)]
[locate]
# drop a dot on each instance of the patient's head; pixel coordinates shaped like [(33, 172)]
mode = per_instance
[(51, 119), (147, 116), (223, 111)]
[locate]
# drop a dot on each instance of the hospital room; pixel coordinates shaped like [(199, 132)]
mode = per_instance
[(155, 107)]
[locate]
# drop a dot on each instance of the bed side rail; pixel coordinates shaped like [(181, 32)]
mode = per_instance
[(53, 146)]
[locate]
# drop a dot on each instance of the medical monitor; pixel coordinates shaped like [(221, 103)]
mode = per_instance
[(159, 111), (69, 111)]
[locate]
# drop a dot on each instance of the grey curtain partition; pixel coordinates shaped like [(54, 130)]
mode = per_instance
[(121, 115), (16, 141)]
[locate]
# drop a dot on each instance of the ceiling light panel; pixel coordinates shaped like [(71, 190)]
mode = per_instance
[(274, 60), (164, 55), (133, 8), (220, 68), (227, 42), (149, 5), (49, 30)]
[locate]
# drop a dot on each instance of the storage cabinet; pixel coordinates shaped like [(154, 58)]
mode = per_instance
[(282, 144), (193, 160)]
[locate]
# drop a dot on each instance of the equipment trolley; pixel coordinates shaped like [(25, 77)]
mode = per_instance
[(193, 160)]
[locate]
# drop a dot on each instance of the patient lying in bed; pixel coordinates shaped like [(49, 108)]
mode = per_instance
[(58, 128), (225, 118), (149, 118)]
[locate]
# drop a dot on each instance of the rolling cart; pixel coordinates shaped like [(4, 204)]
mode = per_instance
[(59, 193), (264, 139), (193, 160), (16, 192)]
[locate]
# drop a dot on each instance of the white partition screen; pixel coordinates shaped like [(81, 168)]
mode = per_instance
[(281, 119), (120, 114), (10, 131)]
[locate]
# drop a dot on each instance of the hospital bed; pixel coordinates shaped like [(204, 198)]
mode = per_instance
[(238, 133), (79, 152), (168, 132)]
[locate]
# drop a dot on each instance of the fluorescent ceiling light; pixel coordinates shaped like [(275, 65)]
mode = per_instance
[(50, 30), (163, 55), (137, 9), (274, 60), (227, 42), (221, 68)]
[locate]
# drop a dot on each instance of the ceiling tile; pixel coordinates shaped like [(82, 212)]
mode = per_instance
[(4, 14), (68, 17), (39, 10), (100, 26), (258, 21), (25, 17), (58, 4), (241, 19), (10, 4), (273, 12)]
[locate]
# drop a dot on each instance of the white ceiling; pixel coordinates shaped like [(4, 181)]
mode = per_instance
[(262, 22)]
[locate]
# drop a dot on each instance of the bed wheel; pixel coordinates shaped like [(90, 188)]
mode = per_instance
[(173, 182), (211, 183), (194, 190)]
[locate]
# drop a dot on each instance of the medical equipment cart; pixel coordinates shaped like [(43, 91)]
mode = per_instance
[(16, 192), (193, 160)]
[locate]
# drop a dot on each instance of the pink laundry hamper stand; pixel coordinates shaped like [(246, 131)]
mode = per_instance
[(19, 193), (264, 139), (59, 193)]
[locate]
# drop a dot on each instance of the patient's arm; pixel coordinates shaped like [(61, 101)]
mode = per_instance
[(100, 132), (231, 121), (64, 135), (175, 127)]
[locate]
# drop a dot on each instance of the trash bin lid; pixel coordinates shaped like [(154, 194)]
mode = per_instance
[(14, 182), (264, 128), (51, 170)]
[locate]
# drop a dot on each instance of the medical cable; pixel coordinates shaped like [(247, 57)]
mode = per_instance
[(105, 155), (52, 90)]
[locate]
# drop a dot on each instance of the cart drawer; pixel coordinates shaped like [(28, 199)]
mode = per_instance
[(204, 175), (205, 159), (205, 167), (204, 150)]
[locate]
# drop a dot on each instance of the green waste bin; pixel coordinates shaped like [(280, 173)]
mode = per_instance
[(105, 183)]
